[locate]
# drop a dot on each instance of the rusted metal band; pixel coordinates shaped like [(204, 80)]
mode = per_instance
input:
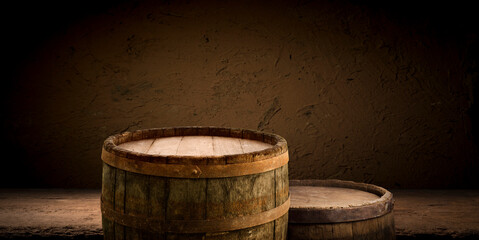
[(192, 170), (194, 226), (377, 208)]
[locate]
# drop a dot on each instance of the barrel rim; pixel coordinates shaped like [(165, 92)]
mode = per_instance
[(279, 147), (376, 208)]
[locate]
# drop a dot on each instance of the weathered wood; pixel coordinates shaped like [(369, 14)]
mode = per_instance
[(367, 229), (378, 226), (318, 206), (197, 167), (119, 202), (281, 232), (281, 195), (156, 204), (195, 146), (232, 197), (342, 231), (317, 196), (337, 211), (136, 199), (165, 146), (281, 185), (388, 226), (364, 230), (226, 146), (186, 199), (252, 146), (108, 196), (140, 205), (138, 146)]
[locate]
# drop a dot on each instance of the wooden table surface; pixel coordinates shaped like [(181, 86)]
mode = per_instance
[(75, 214)]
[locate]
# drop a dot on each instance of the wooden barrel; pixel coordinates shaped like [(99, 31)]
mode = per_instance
[(195, 183), (335, 209)]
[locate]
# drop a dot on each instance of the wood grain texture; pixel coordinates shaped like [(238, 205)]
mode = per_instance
[(311, 196), (332, 206), (281, 195), (167, 141), (195, 146), (281, 232), (227, 146), (136, 199), (186, 199), (108, 196), (195, 199), (146, 206), (119, 203), (164, 146), (197, 167), (380, 228), (156, 204)]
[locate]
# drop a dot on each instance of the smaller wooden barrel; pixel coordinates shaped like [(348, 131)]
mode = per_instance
[(335, 209)]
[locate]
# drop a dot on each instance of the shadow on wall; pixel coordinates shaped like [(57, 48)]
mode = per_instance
[(362, 91)]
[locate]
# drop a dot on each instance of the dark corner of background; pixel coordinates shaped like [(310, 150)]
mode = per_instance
[(26, 26)]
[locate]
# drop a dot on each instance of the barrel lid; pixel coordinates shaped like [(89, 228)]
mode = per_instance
[(257, 145), (160, 152), (333, 201), (195, 146)]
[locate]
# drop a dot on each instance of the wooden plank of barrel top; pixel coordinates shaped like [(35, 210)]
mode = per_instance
[(335, 209), (195, 183)]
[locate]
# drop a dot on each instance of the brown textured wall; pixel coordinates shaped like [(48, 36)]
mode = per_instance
[(360, 91)]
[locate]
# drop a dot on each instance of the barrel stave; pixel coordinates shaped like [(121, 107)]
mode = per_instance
[(108, 195), (281, 195), (119, 202), (191, 199), (186, 199), (136, 199), (280, 229)]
